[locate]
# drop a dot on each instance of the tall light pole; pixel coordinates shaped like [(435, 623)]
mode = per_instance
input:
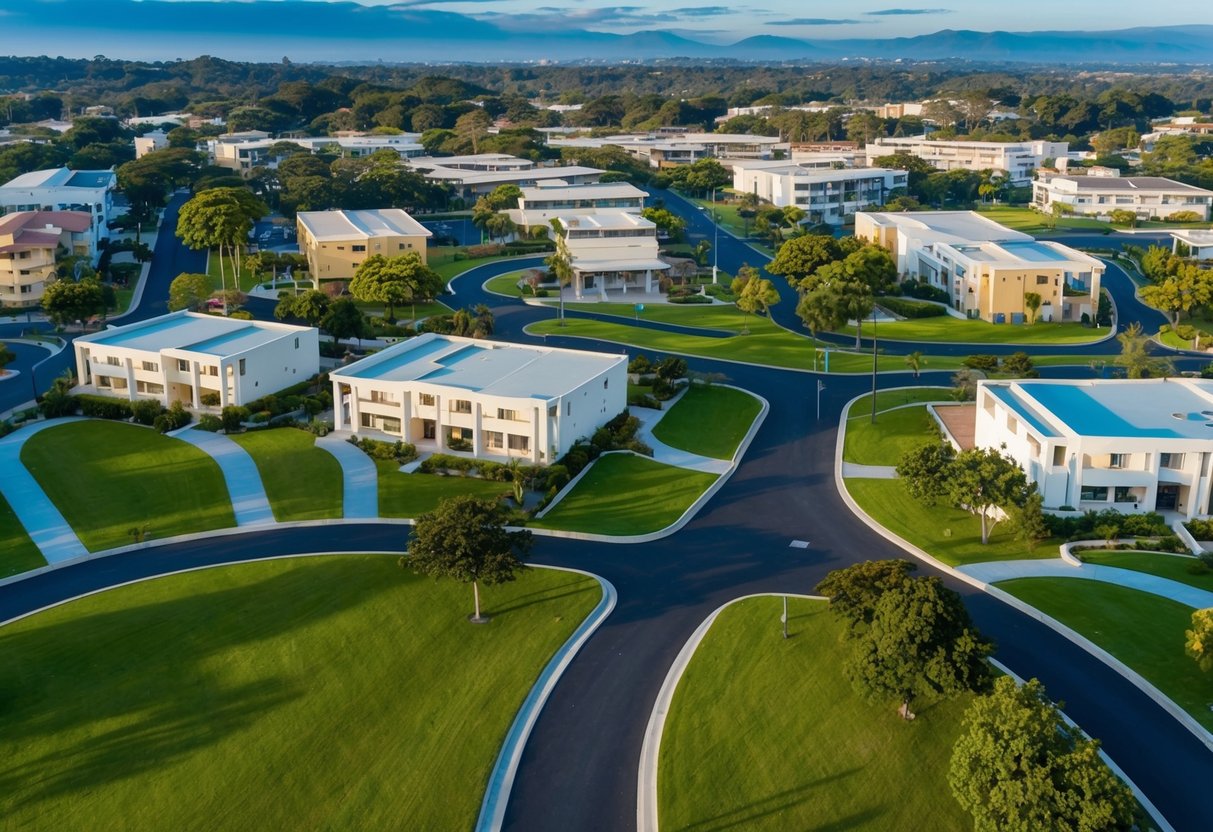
[(715, 238), (820, 387), (873, 363)]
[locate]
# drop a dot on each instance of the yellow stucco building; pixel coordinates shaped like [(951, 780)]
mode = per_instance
[(336, 242)]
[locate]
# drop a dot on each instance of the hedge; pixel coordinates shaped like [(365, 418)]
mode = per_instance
[(911, 308)]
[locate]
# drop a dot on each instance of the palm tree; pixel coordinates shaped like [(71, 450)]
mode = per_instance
[(915, 362), (560, 265), (1135, 357)]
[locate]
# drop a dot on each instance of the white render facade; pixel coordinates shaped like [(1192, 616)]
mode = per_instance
[(184, 356), (494, 400), (63, 189), (610, 251), (1018, 160), (825, 195), (538, 205), (1131, 445), (1149, 197)]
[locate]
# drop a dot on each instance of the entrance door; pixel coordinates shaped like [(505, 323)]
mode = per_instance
[(1168, 496)]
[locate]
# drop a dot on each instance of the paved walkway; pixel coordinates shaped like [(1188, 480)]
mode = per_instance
[(871, 472), (45, 525), (673, 456), (361, 477), (249, 502), (1057, 568)]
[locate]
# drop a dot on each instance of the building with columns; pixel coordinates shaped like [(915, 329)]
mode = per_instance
[(186, 356), (493, 400), (1133, 445), (610, 251)]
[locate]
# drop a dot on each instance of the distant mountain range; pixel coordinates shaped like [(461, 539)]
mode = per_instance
[(349, 32)]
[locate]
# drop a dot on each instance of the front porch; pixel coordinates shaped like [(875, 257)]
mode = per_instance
[(429, 436), (622, 278)]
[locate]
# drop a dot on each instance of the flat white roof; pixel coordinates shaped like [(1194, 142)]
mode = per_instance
[(1194, 237), (825, 175), (493, 368), (193, 332), (1124, 184), (327, 226), (1024, 254), (589, 190), (499, 159), (604, 220), (483, 177), (956, 227)]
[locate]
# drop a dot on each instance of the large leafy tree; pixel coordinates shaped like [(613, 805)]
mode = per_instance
[(68, 301), (1178, 293), (755, 295), (919, 642), (987, 483), (344, 320), (220, 218), (465, 538), (924, 471), (854, 590), (1199, 640), (1020, 766), (832, 295), (800, 257), (188, 291), (310, 305), (393, 281)]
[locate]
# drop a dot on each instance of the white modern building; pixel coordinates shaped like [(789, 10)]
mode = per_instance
[(612, 251), (1149, 197), (670, 148), (150, 142), (186, 356), (245, 151), (987, 269), (490, 399), (63, 189), (1132, 445), (540, 204), (1198, 244), (1019, 160), (825, 195), (472, 177)]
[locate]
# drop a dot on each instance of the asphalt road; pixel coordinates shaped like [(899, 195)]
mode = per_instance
[(579, 769)]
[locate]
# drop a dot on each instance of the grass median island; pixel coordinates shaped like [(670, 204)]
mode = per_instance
[(765, 733), (887, 399), (1172, 567), (886, 440), (1143, 630), (302, 482), (109, 477), (624, 494), (337, 692), (17, 551), (410, 495), (710, 421), (1023, 218), (950, 534), (947, 329)]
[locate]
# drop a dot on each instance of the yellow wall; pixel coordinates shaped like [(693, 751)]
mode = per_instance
[(1002, 290), (41, 265), (337, 259)]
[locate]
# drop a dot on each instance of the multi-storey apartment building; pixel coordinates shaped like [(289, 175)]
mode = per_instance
[(30, 242), (336, 242), (1149, 197), (610, 251), (825, 195), (538, 205), (1018, 160), (63, 189)]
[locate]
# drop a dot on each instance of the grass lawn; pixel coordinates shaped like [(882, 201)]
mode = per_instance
[(726, 214), (17, 552), (1144, 631), (410, 495), (722, 316), (313, 693), (1022, 218), (710, 421), (302, 481), (248, 280), (765, 733), (886, 399), (505, 284), (625, 494), (885, 441), (947, 328), (442, 259), (952, 535), (1171, 567), (109, 477)]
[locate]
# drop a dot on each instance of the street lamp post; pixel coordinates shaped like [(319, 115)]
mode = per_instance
[(873, 363), (820, 387), (784, 617), (715, 238)]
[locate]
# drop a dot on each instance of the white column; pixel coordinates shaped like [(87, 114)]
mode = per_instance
[(648, 281), (438, 437), (355, 412), (223, 400), (197, 384), (406, 411), (535, 435), (338, 407), (477, 442), (83, 372), (130, 379)]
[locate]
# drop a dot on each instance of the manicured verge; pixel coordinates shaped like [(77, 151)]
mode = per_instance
[(765, 733), (410, 495), (1022, 218), (623, 494), (332, 692), (1172, 567), (884, 441), (109, 477), (1144, 631), (945, 328), (952, 535), (301, 481), (17, 552), (886, 399), (709, 421)]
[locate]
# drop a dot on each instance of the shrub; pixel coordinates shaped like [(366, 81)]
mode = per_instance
[(260, 417), (640, 364), (671, 368), (1184, 216), (241, 315), (911, 309), (172, 419), (924, 291), (485, 250), (103, 407), (663, 389), (1019, 364), (145, 411), (210, 422), (644, 400), (1206, 558), (981, 362), (720, 292), (690, 299), (557, 477), (320, 427), (209, 399), (234, 417), (1200, 529), (401, 452)]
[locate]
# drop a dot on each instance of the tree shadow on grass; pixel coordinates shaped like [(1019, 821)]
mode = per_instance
[(744, 816), (562, 590), (95, 692)]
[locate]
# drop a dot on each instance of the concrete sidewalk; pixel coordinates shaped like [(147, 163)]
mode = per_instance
[(871, 472), (43, 522), (249, 502), (1007, 570), (361, 477), (673, 456)]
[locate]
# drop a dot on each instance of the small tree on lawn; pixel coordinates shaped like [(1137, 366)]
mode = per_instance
[(188, 291), (924, 471), (1199, 640), (915, 362), (1031, 302), (1019, 765), (920, 642), (344, 320), (755, 295), (854, 591), (465, 538), (985, 482), (964, 385)]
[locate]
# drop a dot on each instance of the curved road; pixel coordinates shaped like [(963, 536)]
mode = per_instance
[(579, 769)]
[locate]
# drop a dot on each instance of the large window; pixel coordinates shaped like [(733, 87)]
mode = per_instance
[(151, 366), (1118, 460), (507, 415), (425, 399), (1171, 460), (494, 440), (461, 406), (1094, 493), (520, 443)]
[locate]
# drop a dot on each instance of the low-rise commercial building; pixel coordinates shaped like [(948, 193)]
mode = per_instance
[(671, 148), (1018, 160), (1149, 197), (610, 251), (30, 242), (1131, 445), (987, 269), (491, 399), (188, 357), (826, 195), (540, 204), (63, 189), (474, 176), (254, 148), (336, 242)]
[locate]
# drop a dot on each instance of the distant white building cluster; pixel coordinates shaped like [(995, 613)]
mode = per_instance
[(63, 189), (253, 148), (672, 147), (1018, 160)]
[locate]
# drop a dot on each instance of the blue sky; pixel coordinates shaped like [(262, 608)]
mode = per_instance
[(820, 18)]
